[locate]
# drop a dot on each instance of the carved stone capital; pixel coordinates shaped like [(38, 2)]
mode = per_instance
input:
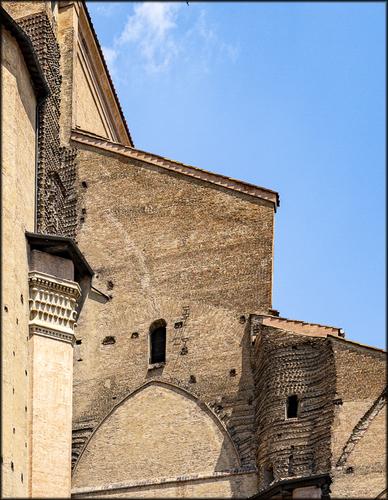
[(53, 303)]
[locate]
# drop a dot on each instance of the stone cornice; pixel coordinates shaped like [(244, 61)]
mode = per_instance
[(100, 143), (53, 334), (53, 304), (162, 481)]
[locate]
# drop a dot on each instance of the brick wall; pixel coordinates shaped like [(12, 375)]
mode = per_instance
[(165, 246)]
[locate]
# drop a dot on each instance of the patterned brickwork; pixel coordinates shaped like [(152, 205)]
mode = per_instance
[(287, 364), (56, 198)]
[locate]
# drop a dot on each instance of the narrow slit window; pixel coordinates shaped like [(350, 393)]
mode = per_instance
[(292, 406), (158, 342)]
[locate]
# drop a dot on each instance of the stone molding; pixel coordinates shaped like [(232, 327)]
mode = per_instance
[(54, 334), (53, 306), (166, 480)]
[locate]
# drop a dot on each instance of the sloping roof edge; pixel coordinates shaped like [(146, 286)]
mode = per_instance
[(357, 344), (83, 3), (101, 143), (38, 80)]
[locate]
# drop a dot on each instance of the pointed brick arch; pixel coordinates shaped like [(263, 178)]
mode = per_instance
[(361, 428), (156, 430)]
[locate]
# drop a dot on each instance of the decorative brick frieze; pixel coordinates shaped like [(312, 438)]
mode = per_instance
[(285, 364), (56, 173), (53, 304)]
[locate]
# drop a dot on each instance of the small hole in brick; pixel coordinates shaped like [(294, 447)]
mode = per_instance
[(13, 352), (295, 347), (25, 373), (134, 335), (84, 184), (242, 319), (12, 466), (78, 341), (84, 210), (114, 397), (110, 285), (109, 340), (13, 430), (25, 445), (6, 309), (349, 470), (25, 409), (178, 324), (21, 477), (184, 350), (22, 299), (82, 219), (17, 321), (192, 379), (232, 372), (79, 359)]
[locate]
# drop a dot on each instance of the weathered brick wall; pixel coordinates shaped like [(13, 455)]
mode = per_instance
[(17, 210), (287, 364), (165, 246), (359, 427)]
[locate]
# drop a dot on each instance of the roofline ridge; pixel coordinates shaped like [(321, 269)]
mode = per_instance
[(82, 136)]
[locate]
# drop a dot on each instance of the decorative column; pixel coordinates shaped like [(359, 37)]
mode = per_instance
[(53, 303)]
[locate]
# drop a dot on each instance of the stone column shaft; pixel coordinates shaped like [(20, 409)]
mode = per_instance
[(53, 303)]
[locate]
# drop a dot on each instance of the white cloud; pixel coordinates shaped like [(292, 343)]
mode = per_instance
[(160, 34), (151, 28)]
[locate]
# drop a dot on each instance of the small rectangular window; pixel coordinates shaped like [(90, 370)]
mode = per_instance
[(292, 406)]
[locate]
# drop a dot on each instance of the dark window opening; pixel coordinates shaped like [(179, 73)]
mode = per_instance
[(268, 474), (292, 406), (158, 342)]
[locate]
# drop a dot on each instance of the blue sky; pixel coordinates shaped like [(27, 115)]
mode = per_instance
[(289, 96)]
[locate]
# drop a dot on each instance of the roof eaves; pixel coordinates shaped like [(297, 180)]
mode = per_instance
[(357, 344), (98, 142)]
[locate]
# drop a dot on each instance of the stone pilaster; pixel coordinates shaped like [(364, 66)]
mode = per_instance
[(53, 303)]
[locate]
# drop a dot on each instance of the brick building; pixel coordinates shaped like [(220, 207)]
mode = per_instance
[(141, 354)]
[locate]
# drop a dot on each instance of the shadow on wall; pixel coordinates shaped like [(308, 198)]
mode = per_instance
[(238, 412)]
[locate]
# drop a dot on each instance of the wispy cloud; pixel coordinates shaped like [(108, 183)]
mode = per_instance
[(151, 30), (159, 35), (107, 8)]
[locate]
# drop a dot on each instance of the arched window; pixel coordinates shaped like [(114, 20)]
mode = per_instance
[(158, 341)]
